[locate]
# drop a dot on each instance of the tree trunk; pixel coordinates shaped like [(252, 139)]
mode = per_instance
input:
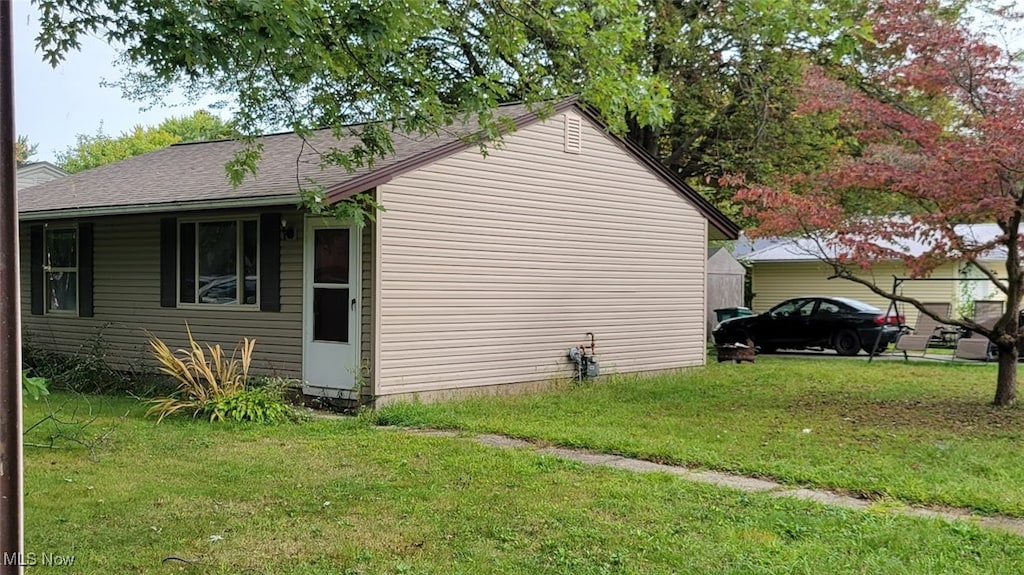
[(1006, 381), (644, 136)]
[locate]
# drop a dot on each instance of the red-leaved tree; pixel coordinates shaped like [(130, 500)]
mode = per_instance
[(938, 143)]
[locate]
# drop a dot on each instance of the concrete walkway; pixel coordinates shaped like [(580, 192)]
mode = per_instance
[(742, 483)]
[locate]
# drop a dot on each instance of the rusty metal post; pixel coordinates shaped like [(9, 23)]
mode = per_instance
[(11, 494)]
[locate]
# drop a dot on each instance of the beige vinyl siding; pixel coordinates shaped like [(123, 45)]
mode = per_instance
[(127, 303), (985, 290), (492, 268), (366, 317), (774, 282)]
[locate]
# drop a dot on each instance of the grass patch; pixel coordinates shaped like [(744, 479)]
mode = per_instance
[(342, 497), (916, 432)]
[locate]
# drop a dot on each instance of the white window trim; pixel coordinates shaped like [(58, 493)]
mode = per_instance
[(239, 264), (47, 270)]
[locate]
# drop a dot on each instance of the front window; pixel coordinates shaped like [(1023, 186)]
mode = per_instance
[(61, 270), (218, 262)]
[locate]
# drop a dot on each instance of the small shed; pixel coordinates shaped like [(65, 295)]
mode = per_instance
[(726, 277)]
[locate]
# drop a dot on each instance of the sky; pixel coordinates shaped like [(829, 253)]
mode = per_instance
[(52, 105)]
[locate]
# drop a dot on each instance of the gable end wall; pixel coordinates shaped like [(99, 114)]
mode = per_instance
[(493, 267)]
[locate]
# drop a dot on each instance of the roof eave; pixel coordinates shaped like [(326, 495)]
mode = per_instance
[(725, 226), (780, 260), (169, 207), (373, 178), (721, 222)]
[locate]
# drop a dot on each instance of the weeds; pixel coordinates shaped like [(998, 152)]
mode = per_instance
[(86, 371), (35, 387), (58, 427)]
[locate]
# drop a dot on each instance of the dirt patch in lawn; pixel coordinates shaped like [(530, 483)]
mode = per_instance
[(960, 416)]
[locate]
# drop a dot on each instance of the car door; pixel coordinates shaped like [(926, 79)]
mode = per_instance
[(828, 317), (800, 322), (786, 322)]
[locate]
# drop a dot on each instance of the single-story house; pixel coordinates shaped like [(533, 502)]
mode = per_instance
[(793, 267), (482, 272), (34, 173)]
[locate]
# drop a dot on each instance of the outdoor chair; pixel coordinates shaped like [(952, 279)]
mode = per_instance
[(986, 313), (926, 330)]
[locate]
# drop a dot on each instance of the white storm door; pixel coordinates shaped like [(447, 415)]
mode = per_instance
[(330, 310)]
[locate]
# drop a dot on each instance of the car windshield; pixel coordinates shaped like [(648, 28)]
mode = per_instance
[(857, 305), (790, 306)]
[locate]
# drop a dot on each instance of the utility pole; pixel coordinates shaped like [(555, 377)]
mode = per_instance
[(12, 509)]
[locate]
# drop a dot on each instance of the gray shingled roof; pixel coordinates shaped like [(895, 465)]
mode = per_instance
[(193, 175), (187, 173), (815, 249)]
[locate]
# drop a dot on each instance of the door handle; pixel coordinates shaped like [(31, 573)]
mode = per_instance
[(353, 304)]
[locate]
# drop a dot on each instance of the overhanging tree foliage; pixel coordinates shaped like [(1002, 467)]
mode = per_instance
[(720, 70), (939, 133), (731, 68), (414, 65)]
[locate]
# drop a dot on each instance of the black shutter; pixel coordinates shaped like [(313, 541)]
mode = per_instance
[(270, 262), (85, 260), (187, 263), (36, 240), (168, 262)]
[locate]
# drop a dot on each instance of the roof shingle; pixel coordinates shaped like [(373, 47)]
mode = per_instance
[(194, 175), (196, 172)]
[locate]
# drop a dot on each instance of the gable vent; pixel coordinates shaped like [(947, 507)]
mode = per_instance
[(573, 134)]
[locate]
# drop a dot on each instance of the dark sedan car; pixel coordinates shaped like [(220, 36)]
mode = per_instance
[(845, 325)]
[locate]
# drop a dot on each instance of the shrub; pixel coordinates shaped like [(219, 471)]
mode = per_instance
[(214, 385), (201, 379), (257, 404), (86, 371)]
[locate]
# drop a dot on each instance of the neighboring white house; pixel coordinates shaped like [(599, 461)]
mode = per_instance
[(36, 173)]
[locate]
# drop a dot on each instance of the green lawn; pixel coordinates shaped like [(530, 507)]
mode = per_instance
[(343, 497), (916, 432)]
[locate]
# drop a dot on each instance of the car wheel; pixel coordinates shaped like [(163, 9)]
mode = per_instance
[(881, 347), (846, 342)]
